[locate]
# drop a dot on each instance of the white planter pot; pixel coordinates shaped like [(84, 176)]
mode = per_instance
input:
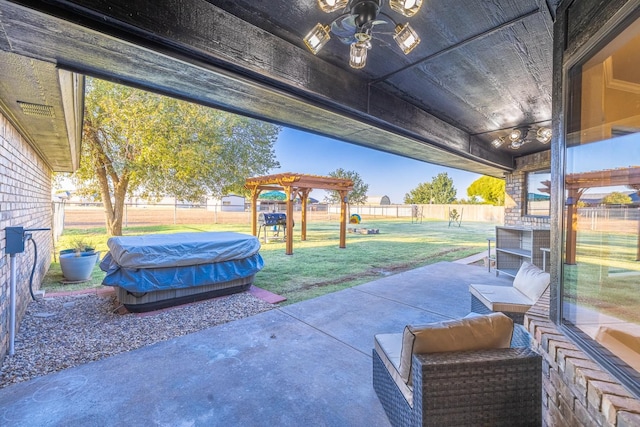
[(78, 268)]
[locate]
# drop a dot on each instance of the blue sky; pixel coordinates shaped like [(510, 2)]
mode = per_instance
[(386, 174)]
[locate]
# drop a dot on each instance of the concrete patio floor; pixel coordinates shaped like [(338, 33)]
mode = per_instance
[(304, 364)]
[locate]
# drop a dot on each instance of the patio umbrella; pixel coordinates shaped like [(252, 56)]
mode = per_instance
[(273, 195)]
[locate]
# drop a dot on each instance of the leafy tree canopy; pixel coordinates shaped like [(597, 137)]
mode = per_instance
[(419, 195), (440, 190), (357, 196), (617, 198), (443, 190), (473, 200), (492, 190), (143, 144)]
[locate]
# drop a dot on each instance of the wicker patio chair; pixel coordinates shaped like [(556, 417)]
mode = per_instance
[(514, 301), (491, 387)]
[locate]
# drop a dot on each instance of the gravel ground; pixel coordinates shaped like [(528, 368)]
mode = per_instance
[(60, 332)]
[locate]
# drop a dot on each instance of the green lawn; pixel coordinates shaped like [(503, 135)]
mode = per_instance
[(606, 274), (318, 266)]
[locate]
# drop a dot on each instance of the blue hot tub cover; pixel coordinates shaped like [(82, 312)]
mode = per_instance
[(180, 249), (173, 261)]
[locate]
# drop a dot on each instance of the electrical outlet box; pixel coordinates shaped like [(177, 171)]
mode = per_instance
[(15, 240)]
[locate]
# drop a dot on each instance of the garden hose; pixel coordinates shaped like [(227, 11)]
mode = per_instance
[(33, 269)]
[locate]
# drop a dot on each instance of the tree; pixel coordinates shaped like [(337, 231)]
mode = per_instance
[(443, 190), (421, 195), (473, 200), (617, 198), (357, 196), (492, 190), (440, 190), (144, 144)]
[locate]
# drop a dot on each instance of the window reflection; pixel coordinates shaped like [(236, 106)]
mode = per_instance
[(538, 193), (601, 273)]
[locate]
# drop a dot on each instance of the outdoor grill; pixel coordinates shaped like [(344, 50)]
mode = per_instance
[(275, 222), (275, 218)]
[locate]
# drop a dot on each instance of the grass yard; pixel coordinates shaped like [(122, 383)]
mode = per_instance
[(318, 266), (606, 274)]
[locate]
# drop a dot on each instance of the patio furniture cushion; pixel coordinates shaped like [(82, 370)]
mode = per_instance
[(528, 285), (474, 333), (501, 298), (531, 281), (389, 347)]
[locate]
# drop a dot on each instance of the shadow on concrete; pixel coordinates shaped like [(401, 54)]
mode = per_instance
[(304, 364)]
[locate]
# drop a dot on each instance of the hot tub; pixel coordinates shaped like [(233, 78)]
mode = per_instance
[(160, 270)]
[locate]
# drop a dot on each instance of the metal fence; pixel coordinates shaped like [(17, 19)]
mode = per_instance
[(89, 215)]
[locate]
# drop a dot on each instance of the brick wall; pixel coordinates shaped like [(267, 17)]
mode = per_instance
[(575, 390), (516, 191), (25, 200)]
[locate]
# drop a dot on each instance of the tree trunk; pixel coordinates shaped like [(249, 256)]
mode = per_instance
[(113, 208), (115, 214)]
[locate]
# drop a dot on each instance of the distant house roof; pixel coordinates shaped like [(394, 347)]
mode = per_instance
[(378, 200)]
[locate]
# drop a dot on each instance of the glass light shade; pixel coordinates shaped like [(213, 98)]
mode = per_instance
[(405, 7), (358, 55), (497, 143), (329, 6), (406, 37), (317, 38), (543, 135), (516, 144), (515, 135)]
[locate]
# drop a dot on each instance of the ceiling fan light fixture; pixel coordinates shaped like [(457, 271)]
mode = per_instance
[(519, 136), (357, 26), (498, 142), (516, 144), (406, 38), (329, 6), (406, 8), (515, 135), (365, 12), (544, 135), (317, 38), (363, 35), (358, 54)]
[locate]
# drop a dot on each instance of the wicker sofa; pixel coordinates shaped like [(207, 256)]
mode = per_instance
[(479, 387), (514, 301)]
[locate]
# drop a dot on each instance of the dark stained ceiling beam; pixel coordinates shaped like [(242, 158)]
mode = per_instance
[(196, 51)]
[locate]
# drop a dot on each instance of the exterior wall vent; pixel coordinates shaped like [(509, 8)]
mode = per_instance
[(38, 110)]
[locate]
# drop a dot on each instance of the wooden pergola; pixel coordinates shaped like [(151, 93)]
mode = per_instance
[(577, 184), (298, 185)]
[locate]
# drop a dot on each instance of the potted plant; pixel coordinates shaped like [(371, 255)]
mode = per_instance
[(77, 262)]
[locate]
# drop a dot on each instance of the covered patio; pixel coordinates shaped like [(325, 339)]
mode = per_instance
[(304, 364)]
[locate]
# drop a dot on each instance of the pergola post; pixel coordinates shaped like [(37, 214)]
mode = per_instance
[(572, 226), (304, 195), (289, 225), (254, 211), (343, 218)]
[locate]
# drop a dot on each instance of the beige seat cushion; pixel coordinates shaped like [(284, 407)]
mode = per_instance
[(474, 333), (501, 298), (389, 347), (531, 281)]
